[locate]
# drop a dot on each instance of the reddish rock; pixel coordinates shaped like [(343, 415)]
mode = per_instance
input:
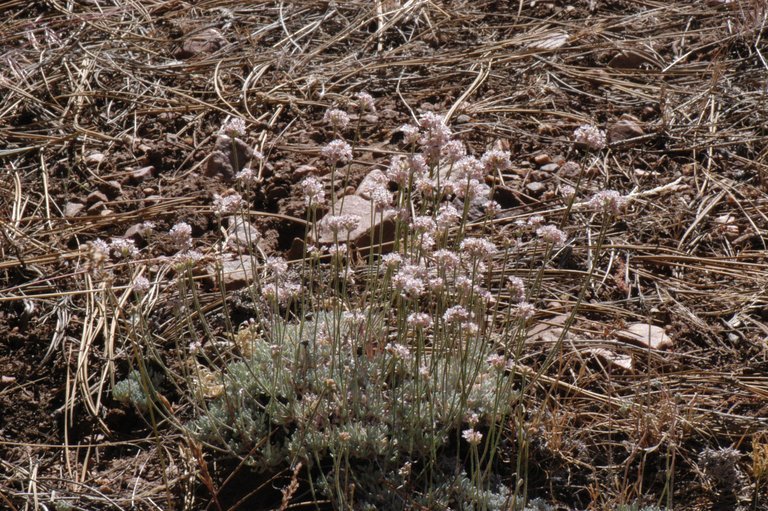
[(229, 157), (111, 189), (96, 196), (97, 207), (139, 175), (631, 60), (201, 43), (624, 129), (506, 197), (542, 159)]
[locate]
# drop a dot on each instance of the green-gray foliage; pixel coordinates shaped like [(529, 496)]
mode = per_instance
[(313, 392), (130, 391)]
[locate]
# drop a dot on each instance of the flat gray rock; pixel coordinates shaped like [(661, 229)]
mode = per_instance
[(645, 335), (235, 273), (362, 209)]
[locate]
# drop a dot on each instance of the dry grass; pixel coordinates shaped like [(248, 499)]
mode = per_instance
[(93, 77)]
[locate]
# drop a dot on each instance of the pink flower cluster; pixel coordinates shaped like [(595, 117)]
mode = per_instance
[(589, 136)]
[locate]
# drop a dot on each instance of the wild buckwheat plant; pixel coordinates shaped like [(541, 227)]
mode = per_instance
[(390, 376)]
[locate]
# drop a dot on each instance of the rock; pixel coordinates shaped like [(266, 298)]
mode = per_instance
[(235, 273), (96, 196), (73, 208), (624, 129), (550, 167), (645, 335), (727, 225), (139, 175), (201, 43), (535, 188), (631, 60), (374, 179), (605, 356), (542, 159), (296, 251), (94, 158), (96, 207), (548, 331), (137, 231), (106, 212), (361, 236), (306, 170), (725, 219), (111, 188), (506, 197), (229, 157), (241, 234)]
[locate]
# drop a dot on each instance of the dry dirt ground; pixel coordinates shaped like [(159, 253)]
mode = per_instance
[(108, 117)]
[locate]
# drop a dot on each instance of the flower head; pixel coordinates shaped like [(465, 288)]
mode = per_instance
[(227, 204), (447, 216), (478, 247), (472, 437), (469, 167), (181, 236), (419, 320), (410, 280), (410, 133), (454, 150), (247, 177), (398, 351), (314, 193), (233, 127), (446, 259), (380, 196), (525, 310), (340, 223), (497, 361), (392, 260), (123, 248), (276, 265), (365, 102), (516, 288), (455, 314), (140, 284), (338, 119), (608, 201), (435, 134), (589, 136), (567, 191), (552, 235), (495, 160), (337, 151)]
